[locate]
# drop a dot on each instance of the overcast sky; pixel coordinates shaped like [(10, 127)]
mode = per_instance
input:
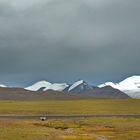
[(67, 40)]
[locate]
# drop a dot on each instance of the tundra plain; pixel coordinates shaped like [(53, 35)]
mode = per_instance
[(112, 128)]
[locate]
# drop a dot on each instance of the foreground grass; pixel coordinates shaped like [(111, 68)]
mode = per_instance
[(83, 129), (71, 129), (71, 107)]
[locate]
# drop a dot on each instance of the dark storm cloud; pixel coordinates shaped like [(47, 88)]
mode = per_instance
[(64, 40)]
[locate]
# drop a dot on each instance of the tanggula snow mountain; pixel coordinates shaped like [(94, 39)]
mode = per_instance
[(128, 88)]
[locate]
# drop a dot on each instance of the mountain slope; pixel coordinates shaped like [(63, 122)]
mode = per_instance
[(107, 92), (79, 87), (130, 86)]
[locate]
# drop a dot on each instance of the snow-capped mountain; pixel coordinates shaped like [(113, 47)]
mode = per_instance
[(44, 86), (130, 86), (79, 87)]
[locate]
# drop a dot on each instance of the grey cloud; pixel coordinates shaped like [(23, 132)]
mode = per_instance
[(63, 40)]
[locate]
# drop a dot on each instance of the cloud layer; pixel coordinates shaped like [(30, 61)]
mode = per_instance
[(64, 40)]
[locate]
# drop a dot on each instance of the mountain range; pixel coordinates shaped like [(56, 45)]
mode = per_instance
[(79, 87), (128, 88)]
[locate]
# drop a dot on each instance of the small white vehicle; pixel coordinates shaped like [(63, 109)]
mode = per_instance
[(43, 118)]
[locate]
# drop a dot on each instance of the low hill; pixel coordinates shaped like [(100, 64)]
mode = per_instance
[(22, 94), (107, 92)]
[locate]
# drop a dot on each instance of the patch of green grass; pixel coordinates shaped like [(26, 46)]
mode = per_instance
[(94, 106)]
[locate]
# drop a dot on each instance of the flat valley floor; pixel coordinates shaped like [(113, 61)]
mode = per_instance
[(96, 128)]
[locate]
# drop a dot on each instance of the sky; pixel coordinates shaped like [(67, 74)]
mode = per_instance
[(68, 40)]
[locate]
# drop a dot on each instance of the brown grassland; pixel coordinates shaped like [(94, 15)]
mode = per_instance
[(71, 129), (87, 106)]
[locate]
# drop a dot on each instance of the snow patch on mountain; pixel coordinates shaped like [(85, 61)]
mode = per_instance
[(79, 87), (108, 84), (57, 87), (38, 85), (75, 85), (131, 83)]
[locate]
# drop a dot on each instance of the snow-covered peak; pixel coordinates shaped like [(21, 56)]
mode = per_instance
[(44, 85), (130, 86), (3, 86), (75, 85), (38, 85)]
